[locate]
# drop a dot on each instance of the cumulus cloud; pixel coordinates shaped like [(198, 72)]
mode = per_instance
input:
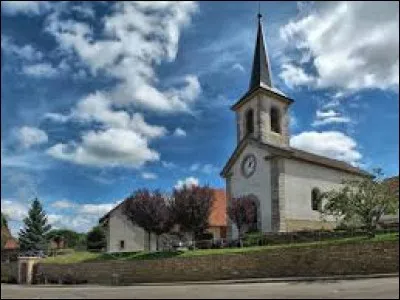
[(353, 45), (25, 52), (30, 136), (45, 70), (332, 144), (110, 148), (24, 7), (179, 132), (188, 182), (133, 38), (293, 75), (15, 210)]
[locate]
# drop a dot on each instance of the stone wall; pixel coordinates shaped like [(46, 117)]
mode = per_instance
[(324, 260)]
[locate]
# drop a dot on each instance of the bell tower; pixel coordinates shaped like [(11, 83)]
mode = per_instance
[(262, 113)]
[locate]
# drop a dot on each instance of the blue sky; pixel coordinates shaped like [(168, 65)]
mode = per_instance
[(101, 98)]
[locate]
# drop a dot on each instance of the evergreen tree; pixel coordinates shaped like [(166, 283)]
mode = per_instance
[(34, 234), (3, 220)]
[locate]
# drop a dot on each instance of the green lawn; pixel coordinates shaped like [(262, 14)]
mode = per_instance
[(88, 256)]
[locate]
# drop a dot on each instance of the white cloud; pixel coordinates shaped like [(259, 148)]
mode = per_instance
[(329, 117), (332, 144), (148, 175), (194, 167), (293, 75), (44, 70), (179, 132), (238, 67), (24, 7), (26, 52), (96, 209), (188, 182), (354, 45), (29, 136), (127, 44), (15, 210), (109, 148), (62, 204)]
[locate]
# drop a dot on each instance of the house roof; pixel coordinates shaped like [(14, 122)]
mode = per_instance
[(218, 212), (292, 153), (11, 244)]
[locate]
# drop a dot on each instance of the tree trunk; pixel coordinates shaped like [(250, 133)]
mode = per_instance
[(157, 238)]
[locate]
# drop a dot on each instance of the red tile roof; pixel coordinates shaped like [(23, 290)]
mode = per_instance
[(11, 244), (218, 212)]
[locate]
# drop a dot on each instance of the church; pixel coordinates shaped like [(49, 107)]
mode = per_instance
[(285, 181)]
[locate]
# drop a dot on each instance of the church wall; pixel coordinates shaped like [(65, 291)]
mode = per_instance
[(300, 178), (258, 184), (266, 135), (120, 228)]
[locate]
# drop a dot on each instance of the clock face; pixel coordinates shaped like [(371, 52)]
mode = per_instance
[(249, 165)]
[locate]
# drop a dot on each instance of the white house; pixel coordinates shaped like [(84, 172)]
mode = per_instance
[(286, 181)]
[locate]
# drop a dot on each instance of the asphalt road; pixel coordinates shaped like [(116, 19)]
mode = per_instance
[(378, 288)]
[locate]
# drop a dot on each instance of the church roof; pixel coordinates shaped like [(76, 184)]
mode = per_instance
[(261, 76), (293, 153), (260, 72)]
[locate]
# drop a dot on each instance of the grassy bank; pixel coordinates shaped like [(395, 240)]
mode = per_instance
[(88, 256)]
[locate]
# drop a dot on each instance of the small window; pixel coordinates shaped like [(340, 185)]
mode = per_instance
[(315, 199), (249, 122), (275, 120), (122, 245)]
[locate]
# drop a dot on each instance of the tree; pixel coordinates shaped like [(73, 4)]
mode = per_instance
[(242, 211), (34, 234), (149, 211), (191, 207), (96, 239), (5, 232), (71, 238), (4, 222), (364, 200)]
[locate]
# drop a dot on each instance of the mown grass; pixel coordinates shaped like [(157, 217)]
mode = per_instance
[(79, 257)]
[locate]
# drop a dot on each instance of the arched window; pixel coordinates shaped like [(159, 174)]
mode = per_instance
[(315, 199), (275, 120), (249, 122)]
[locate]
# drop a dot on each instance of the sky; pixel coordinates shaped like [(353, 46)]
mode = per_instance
[(101, 98)]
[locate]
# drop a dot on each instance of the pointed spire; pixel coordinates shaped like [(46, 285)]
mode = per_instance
[(260, 73)]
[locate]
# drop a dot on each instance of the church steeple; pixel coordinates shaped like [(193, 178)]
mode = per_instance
[(260, 74)]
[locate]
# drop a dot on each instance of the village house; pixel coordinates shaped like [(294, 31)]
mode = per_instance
[(124, 236)]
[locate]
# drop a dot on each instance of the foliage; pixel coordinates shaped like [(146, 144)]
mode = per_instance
[(34, 234), (96, 239), (191, 208), (149, 211), (361, 200), (5, 232), (243, 212), (71, 238), (4, 222)]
